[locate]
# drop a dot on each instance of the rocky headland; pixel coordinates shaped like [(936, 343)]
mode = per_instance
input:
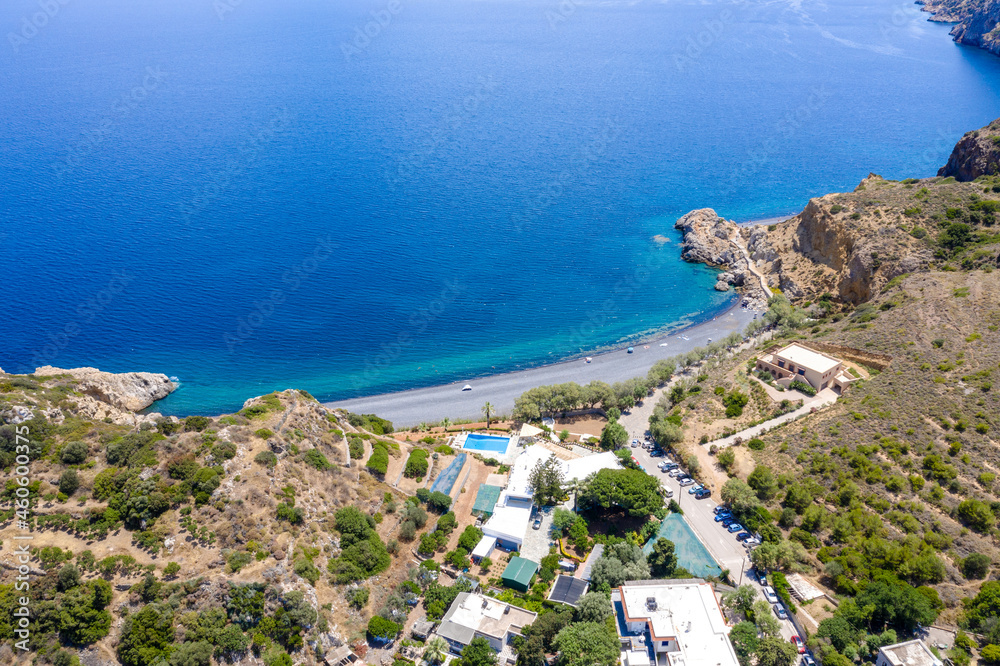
[(976, 20), (847, 246)]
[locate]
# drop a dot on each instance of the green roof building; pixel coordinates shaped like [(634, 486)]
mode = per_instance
[(486, 500), (518, 573)]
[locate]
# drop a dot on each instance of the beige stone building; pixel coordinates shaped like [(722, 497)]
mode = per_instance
[(798, 362)]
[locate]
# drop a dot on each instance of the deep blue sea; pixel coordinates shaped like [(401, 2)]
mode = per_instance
[(353, 197)]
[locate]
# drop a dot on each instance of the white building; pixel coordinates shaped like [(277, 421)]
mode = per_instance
[(672, 623), (474, 615), (796, 361), (909, 653)]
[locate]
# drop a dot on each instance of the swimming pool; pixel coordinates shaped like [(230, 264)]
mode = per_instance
[(447, 478), (477, 442), (691, 553)]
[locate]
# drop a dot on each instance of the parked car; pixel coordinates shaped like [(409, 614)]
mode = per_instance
[(799, 645), (675, 472), (537, 524), (668, 493), (727, 521), (734, 528), (752, 541), (656, 454), (779, 610), (634, 444), (722, 508), (695, 488), (770, 594), (703, 493), (808, 660), (743, 536), (686, 481), (722, 516)]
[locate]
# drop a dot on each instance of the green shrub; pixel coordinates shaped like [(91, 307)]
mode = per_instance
[(802, 387), (74, 453), (756, 444), (382, 629), (264, 433), (224, 451), (266, 458), (196, 423), (356, 445), (378, 461), (416, 464), (315, 459), (69, 482)]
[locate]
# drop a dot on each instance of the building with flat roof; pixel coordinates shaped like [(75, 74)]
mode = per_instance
[(798, 362), (474, 615), (672, 623), (908, 653), (518, 573), (508, 525)]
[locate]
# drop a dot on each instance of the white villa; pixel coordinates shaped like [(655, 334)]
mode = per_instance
[(671, 623), (474, 615), (909, 653), (796, 361)]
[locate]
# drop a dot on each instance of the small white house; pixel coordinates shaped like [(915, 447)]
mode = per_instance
[(908, 653)]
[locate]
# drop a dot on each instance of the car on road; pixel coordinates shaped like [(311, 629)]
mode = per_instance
[(723, 516), (634, 444), (656, 454), (703, 493), (668, 493), (686, 481), (734, 528), (722, 508), (695, 488), (779, 610), (675, 472), (537, 524), (807, 660), (743, 536), (751, 542), (770, 594), (799, 645), (727, 521)]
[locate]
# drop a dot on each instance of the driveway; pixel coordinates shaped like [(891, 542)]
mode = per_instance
[(536, 542), (700, 515)]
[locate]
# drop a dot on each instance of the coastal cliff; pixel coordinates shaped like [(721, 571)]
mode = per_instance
[(93, 394), (976, 21), (977, 154), (848, 246)]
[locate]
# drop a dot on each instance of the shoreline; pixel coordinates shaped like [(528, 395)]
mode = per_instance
[(430, 404), (433, 403)]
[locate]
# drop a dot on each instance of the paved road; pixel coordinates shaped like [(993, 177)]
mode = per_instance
[(722, 545), (408, 408)]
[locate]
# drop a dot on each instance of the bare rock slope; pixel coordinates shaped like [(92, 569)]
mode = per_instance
[(129, 391), (976, 21), (977, 154)]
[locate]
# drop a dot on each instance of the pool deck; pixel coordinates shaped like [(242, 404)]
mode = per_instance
[(503, 456)]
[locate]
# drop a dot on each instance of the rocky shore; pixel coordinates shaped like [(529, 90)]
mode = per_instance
[(100, 395), (977, 154), (976, 20), (712, 240)]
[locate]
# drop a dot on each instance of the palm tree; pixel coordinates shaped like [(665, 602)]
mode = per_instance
[(435, 650), (573, 486), (445, 422), (488, 411)]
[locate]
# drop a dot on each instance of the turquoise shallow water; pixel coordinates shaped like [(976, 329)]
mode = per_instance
[(269, 197)]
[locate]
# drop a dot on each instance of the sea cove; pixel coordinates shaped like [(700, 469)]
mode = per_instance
[(273, 211)]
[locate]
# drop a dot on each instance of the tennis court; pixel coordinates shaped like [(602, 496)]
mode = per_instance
[(446, 479)]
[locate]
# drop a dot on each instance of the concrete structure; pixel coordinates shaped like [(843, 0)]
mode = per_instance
[(672, 623), (422, 629), (508, 525), (484, 548), (909, 653), (518, 573), (473, 615), (798, 362)]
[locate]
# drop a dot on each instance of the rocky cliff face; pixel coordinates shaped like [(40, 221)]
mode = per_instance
[(977, 21), (712, 240), (845, 250), (129, 391), (977, 154)]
